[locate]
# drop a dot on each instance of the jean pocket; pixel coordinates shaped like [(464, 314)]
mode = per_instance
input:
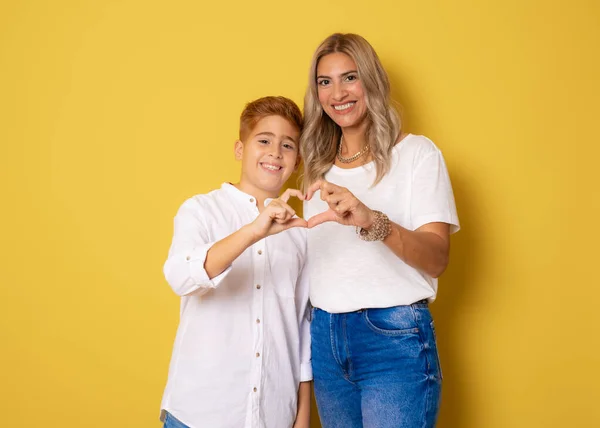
[(435, 348), (393, 321)]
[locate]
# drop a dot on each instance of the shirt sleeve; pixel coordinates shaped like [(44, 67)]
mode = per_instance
[(184, 268), (303, 312), (432, 199)]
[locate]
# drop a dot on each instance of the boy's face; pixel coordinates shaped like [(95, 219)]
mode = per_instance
[(269, 155)]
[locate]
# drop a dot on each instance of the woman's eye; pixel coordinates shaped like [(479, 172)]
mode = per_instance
[(323, 82), (351, 78)]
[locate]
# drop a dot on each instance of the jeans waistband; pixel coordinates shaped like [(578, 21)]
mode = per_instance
[(423, 303)]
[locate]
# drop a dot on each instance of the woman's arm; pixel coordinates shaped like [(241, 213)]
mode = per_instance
[(426, 249)]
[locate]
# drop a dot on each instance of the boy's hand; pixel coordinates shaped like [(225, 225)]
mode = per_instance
[(278, 216)]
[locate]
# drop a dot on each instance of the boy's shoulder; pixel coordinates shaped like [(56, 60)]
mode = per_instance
[(207, 201), (212, 195)]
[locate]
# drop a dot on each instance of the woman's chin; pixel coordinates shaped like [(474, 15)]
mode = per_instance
[(350, 121)]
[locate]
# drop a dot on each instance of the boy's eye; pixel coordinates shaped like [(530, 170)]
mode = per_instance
[(263, 141), (289, 146)]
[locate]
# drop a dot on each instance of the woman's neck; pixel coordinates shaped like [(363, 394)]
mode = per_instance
[(354, 139)]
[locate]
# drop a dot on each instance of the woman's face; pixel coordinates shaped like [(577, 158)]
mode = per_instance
[(340, 90)]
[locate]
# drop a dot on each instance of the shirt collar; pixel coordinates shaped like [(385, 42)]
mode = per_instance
[(241, 196)]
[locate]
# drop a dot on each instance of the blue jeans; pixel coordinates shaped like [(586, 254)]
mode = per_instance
[(172, 422), (376, 368)]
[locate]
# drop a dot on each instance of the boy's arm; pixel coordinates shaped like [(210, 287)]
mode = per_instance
[(195, 263), (184, 268), (303, 415), (275, 218), (222, 253), (303, 309)]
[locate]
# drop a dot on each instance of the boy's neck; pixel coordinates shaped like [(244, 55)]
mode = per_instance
[(259, 194)]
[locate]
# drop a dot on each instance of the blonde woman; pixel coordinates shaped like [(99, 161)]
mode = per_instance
[(380, 209)]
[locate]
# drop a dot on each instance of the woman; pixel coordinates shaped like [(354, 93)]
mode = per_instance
[(380, 220)]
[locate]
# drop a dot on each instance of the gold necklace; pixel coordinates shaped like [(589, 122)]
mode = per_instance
[(352, 158)]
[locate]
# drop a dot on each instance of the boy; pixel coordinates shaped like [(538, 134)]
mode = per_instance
[(242, 353)]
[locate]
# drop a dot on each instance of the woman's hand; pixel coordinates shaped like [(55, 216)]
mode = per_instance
[(344, 207)]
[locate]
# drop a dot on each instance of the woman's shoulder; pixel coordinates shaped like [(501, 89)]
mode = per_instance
[(412, 149), (416, 142), (417, 146)]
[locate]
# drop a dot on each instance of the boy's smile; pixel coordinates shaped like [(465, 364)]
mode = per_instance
[(269, 156), (271, 167)]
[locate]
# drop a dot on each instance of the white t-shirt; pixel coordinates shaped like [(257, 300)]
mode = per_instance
[(347, 274)]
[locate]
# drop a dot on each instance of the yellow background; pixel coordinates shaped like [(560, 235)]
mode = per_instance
[(112, 113)]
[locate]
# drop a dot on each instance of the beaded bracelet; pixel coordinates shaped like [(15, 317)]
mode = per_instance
[(379, 230)]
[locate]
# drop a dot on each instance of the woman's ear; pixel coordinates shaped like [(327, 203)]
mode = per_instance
[(238, 149)]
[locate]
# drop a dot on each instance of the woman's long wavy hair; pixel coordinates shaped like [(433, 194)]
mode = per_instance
[(321, 135)]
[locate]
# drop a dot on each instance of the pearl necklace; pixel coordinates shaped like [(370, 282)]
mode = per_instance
[(352, 158)]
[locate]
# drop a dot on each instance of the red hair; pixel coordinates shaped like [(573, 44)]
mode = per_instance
[(269, 106)]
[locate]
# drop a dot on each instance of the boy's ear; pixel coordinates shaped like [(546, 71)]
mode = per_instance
[(238, 149)]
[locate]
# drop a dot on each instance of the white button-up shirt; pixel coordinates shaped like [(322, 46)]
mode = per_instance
[(243, 342)]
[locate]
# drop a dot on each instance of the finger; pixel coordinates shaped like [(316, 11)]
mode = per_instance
[(328, 215), (288, 209), (291, 192), (313, 188), (277, 211), (283, 217), (296, 222), (333, 199), (328, 189), (343, 208)]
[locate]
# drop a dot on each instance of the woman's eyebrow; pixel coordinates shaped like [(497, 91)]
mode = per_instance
[(343, 74)]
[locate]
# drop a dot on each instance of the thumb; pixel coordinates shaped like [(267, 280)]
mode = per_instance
[(295, 222), (316, 220)]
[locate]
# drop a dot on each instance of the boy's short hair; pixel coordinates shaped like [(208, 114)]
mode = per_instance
[(269, 106)]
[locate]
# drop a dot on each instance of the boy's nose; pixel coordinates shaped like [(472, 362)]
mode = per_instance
[(276, 152)]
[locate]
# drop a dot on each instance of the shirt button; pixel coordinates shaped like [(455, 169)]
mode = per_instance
[(257, 354), (259, 252), (251, 200), (257, 320), (258, 286), (254, 389)]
